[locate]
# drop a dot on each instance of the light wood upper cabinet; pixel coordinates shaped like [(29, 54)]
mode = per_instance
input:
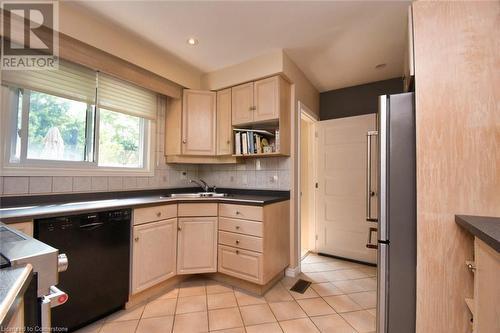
[(267, 99), (242, 103), (197, 245), (153, 253), (409, 61), (224, 129), (199, 122)]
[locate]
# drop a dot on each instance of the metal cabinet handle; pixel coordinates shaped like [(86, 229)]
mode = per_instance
[(237, 227), (238, 213), (179, 228), (237, 241), (158, 214), (369, 242), (184, 141), (228, 141), (237, 252), (369, 192), (136, 239)]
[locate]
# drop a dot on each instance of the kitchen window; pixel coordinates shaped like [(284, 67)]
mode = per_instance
[(75, 119)]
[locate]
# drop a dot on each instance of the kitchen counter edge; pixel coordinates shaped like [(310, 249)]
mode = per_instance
[(14, 282), (483, 227), (16, 214)]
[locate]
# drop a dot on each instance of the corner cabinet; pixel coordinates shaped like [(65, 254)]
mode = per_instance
[(153, 253), (197, 238), (199, 122)]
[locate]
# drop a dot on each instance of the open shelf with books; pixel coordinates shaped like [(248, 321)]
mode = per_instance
[(257, 142)]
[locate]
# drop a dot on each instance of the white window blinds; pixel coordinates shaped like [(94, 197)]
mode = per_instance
[(69, 81), (120, 96)]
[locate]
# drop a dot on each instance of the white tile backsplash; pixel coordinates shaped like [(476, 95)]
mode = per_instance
[(62, 184), (15, 185), (99, 184), (115, 183), (38, 185), (82, 184), (274, 174)]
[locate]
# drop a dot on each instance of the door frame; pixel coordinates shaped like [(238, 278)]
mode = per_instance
[(307, 114)]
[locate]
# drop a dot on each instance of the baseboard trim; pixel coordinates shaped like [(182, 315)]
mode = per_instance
[(347, 259), (292, 272)]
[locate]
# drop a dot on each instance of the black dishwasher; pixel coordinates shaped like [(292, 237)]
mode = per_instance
[(97, 278)]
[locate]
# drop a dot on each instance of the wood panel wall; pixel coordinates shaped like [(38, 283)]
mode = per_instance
[(457, 54)]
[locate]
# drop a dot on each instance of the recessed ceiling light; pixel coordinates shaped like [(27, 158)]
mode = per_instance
[(380, 66), (192, 41)]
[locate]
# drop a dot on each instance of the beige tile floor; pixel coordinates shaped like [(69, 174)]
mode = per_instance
[(342, 299)]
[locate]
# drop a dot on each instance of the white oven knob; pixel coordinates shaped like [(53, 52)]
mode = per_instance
[(62, 262)]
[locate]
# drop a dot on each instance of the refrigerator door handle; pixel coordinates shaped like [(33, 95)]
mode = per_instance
[(369, 243), (369, 192)]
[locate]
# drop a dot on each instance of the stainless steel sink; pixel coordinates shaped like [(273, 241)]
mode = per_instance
[(197, 195)]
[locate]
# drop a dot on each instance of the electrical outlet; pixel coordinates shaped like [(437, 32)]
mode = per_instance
[(257, 164), (274, 179)]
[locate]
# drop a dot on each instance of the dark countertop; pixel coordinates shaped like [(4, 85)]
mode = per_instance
[(485, 228), (13, 283), (47, 209)]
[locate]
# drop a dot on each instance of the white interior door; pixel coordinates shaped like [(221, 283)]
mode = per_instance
[(342, 229)]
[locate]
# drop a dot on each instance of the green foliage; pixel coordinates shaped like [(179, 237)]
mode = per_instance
[(119, 134), (119, 137)]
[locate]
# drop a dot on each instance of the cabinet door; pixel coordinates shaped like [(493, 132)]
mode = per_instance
[(198, 122), (224, 128), (197, 245), (153, 253), (242, 103), (267, 99)]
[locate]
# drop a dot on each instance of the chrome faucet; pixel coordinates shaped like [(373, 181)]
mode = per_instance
[(201, 183)]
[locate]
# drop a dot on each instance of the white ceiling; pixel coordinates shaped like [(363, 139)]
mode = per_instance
[(336, 44)]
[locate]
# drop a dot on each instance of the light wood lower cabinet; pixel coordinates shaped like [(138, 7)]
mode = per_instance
[(254, 250), (486, 303), (153, 253), (197, 245), (24, 227), (243, 264)]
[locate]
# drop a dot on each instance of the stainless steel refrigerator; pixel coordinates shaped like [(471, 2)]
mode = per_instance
[(395, 192)]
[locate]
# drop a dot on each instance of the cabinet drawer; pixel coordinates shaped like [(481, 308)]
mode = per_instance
[(251, 228), (197, 209), (246, 265), (156, 213), (241, 241), (242, 212)]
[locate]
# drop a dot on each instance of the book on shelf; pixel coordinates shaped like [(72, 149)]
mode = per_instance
[(277, 140), (244, 143), (250, 142), (237, 143)]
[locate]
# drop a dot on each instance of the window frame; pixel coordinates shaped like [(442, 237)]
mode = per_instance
[(39, 167)]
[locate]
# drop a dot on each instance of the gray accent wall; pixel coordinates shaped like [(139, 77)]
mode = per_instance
[(356, 100)]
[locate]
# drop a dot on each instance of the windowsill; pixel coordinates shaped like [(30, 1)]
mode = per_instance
[(66, 171)]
